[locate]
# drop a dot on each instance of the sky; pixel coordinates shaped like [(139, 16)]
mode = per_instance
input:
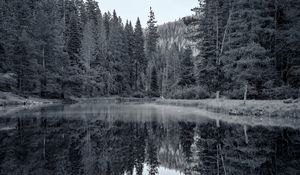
[(165, 10)]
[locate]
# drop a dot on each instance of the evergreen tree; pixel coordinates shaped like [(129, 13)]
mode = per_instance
[(139, 58), (75, 66), (187, 69), (7, 34), (24, 64), (246, 60), (206, 32), (49, 47), (117, 55), (74, 42), (129, 47), (154, 88), (82, 15), (151, 36), (24, 61), (286, 50), (107, 18), (151, 44)]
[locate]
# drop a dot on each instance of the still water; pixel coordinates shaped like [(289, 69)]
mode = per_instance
[(122, 139)]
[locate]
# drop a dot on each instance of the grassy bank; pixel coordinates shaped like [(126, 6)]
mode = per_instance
[(115, 99), (10, 99), (10, 103), (258, 108)]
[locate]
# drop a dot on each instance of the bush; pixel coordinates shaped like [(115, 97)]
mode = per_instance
[(283, 92), (277, 93), (153, 94), (138, 94), (8, 82), (191, 93)]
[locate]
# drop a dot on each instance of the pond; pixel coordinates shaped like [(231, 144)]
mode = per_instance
[(142, 139)]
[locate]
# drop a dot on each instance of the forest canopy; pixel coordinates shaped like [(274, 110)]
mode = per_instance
[(63, 48)]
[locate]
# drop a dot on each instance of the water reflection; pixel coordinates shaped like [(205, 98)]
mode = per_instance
[(118, 140)]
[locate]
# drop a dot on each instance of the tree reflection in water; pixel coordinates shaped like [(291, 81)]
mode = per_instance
[(47, 142)]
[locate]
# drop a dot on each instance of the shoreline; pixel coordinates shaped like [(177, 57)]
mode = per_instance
[(254, 108), (10, 103)]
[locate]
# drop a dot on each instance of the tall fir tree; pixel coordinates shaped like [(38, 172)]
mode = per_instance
[(75, 68), (151, 44), (154, 87), (187, 69), (129, 48), (139, 57), (247, 64)]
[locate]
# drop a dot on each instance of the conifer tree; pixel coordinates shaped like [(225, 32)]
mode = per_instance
[(151, 43), (129, 47), (154, 88), (151, 36), (247, 63), (206, 32), (139, 58), (49, 46), (187, 69), (286, 49), (75, 66)]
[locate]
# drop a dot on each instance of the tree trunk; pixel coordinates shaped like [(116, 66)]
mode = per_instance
[(218, 95), (245, 94), (246, 135), (136, 75), (224, 36)]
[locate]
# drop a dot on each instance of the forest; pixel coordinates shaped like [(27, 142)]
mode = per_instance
[(66, 48)]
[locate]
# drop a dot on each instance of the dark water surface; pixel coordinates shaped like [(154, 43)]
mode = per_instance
[(115, 139)]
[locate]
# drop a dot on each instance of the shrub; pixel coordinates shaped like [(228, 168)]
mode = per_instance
[(191, 93), (138, 94), (8, 82), (283, 92), (153, 94)]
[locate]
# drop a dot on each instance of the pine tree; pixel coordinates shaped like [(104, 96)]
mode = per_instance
[(49, 41), (75, 68), (117, 56), (246, 62), (25, 66), (7, 34), (154, 88), (107, 18), (140, 61), (151, 44), (74, 42), (88, 48), (187, 69), (207, 29), (24, 62), (82, 15), (129, 47), (286, 48), (152, 35)]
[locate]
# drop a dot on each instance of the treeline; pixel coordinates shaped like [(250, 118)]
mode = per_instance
[(247, 47), (59, 48), (62, 48)]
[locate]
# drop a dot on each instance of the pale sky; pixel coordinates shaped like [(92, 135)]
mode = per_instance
[(165, 10)]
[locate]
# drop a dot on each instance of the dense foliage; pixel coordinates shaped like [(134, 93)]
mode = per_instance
[(59, 48), (247, 45), (63, 48)]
